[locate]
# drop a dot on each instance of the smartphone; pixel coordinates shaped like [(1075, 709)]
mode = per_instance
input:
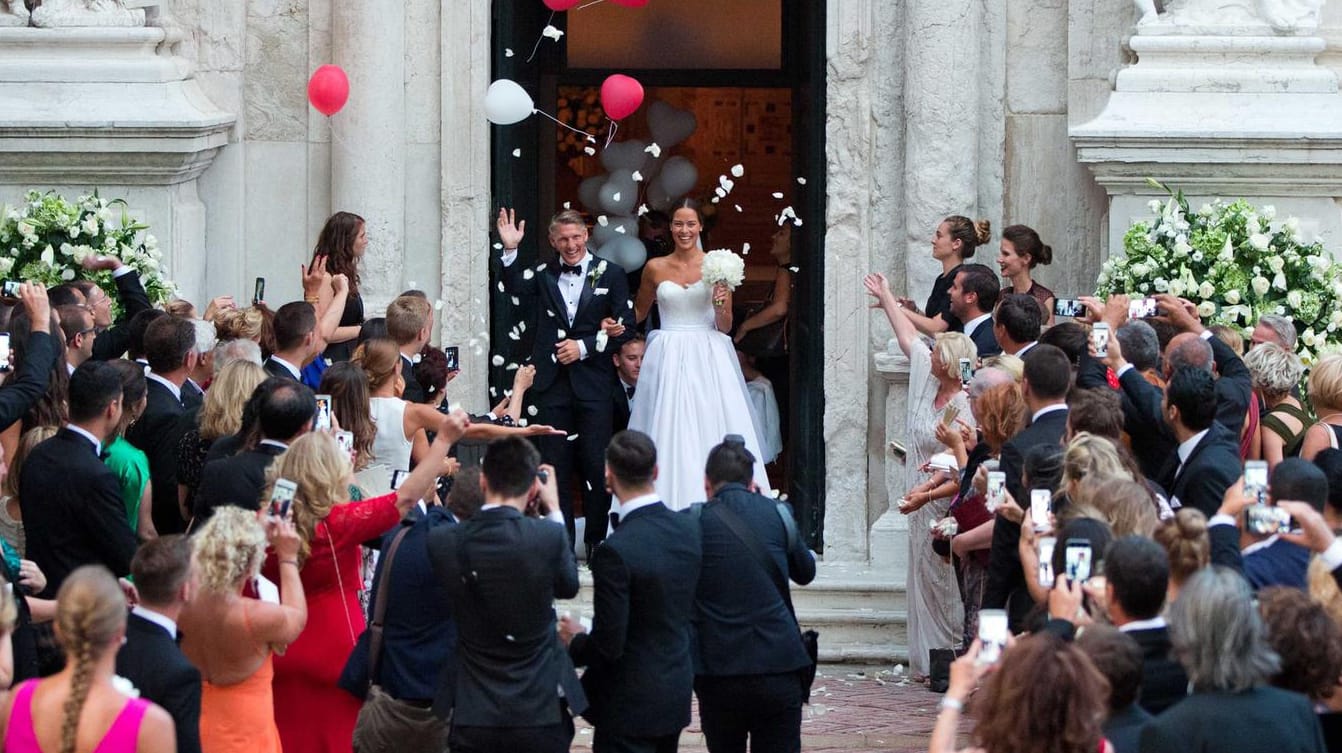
[(346, 441), (1099, 337), (1069, 307), (966, 371), (1039, 502), (398, 478), (11, 288), (259, 293), (1078, 560), (282, 496), (323, 413), (1255, 480), (1046, 546), (996, 490), (4, 351), (1140, 308), (992, 635), (453, 354)]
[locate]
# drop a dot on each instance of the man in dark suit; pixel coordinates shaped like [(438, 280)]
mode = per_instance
[(1206, 460), (578, 293), (170, 348), (285, 413), (639, 669), (113, 338), (410, 325), (1047, 378), (748, 649), (1137, 572), (77, 326), (1017, 323), (1268, 559), (974, 295), (23, 387), (503, 569), (150, 658), (71, 503), (295, 340), (628, 362)]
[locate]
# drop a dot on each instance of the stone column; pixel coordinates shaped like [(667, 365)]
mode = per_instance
[(890, 532), (942, 80), (368, 170)]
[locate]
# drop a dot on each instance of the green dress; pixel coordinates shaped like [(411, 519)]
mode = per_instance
[(131, 467)]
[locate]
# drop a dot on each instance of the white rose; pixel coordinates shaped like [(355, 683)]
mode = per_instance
[(1294, 299), (67, 274), (1279, 282), (1206, 309), (1177, 288), (25, 229), (1206, 211), (150, 242), (1251, 224), (1261, 285), (90, 225), (1206, 290), (1232, 297), (1291, 225), (1162, 285), (6, 265), (1261, 241), (1154, 205), (105, 215), (73, 230), (1181, 248), (67, 249), (1197, 256), (1269, 211), (1276, 264)]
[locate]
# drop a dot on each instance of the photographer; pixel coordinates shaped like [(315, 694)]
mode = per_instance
[(1254, 547), (502, 570)]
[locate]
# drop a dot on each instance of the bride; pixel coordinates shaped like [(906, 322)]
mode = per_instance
[(690, 390)]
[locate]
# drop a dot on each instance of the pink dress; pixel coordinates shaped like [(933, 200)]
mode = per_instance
[(120, 738)]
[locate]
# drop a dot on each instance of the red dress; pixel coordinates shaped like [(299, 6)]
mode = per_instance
[(313, 714)]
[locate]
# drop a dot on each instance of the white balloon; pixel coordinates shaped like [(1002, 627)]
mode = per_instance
[(678, 176), (603, 234), (619, 194), (506, 103), (629, 253), (589, 192), (670, 126), (628, 155)]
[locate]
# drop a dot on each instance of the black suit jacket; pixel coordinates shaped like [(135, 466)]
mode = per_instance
[(985, 340), (73, 513), (414, 392), (510, 661), (29, 383), (239, 480), (591, 377), (157, 434), (620, 405), (1005, 577), (193, 397), (1164, 681), (278, 370), (742, 624), (152, 661), (1123, 728), (1260, 720), (1212, 467), (640, 674), (113, 341)]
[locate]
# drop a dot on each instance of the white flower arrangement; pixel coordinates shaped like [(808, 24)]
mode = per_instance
[(723, 266), (1235, 266), (47, 239)]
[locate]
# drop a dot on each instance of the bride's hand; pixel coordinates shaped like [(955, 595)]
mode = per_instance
[(721, 293)]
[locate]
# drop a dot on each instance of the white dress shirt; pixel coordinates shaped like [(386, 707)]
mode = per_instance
[(1046, 410), (97, 443), (174, 389), (288, 367), (972, 325), (570, 289), (624, 508), (163, 621)]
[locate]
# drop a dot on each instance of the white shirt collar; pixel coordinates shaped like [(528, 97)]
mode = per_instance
[(97, 443), (1258, 546), (1025, 348), (638, 502), (973, 324), (174, 389), (1048, 409), (69, 368), (1186, 447), (274, 443), (1155, 623), (162, 620), (193, 383), (298, 374)]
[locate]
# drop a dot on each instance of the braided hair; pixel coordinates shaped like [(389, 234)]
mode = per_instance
[(90, 612)]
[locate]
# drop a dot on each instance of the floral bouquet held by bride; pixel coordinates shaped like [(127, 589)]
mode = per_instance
[(722, 267)]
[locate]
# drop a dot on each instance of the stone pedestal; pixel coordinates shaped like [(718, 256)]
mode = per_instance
[(890, 533), (103, 108)]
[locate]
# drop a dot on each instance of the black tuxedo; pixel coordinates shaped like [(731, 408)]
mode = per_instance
[(276, 369), (193, 397), (1212, 467), (152, 661), (72, 510), (640, 674), (113, 341), (1259, 720), (239, 480), (1164, 682), (985, 339), (621, 406), (1006, 581), (29, 383), (157, 434), (510, 661), (576, 397), (414, 391)]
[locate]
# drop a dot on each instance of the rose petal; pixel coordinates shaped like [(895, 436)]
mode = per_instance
[(738, 170)]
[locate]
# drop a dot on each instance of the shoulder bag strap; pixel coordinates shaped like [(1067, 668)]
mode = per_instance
[(752, 543), (380, 605)]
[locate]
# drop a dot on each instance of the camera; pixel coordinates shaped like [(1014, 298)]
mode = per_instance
[(1046, 546), (453, 354), (11, 288), (996, 490), (993, 634), (282, 496), (1140, 308), (1267, 520), (1099, 337), (323, 413), (966, 371), (259, 292), (1078, 560), (1069, 307)]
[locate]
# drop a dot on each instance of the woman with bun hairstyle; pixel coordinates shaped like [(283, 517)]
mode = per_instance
[(954, 241), (1022, 251), (1188, 544)]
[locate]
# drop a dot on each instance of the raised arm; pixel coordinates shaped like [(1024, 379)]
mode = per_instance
[(905, 331), (280, 625)]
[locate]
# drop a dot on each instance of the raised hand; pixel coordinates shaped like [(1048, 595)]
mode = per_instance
[(537, 430), (94, 263), (879, 288), (523, 379), (282, 537), (314, 276), (1181, 314), (35, 302), (511, 231), (220, 303)]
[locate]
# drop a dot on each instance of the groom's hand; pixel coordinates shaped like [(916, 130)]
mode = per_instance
[(567, 351)]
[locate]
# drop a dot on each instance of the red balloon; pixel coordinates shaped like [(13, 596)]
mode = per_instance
[(631, 3), (328, 89), (621, 96), (562, 4)]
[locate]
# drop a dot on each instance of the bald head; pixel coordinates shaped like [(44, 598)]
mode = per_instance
[(986, 379), (1188, 350)]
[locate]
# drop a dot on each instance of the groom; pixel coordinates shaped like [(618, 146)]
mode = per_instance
[(574, 373)]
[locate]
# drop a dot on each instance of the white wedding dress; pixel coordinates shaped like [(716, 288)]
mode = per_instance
[(691, 394)]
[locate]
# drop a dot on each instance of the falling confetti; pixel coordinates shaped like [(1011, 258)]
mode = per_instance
[(568, 205), (516, 301), (528, 273), (603, 220), (745, 249), (801, 181), (620, 229), (637, 176), (722, 194), (497, 360), (551, 32), (727, 183), (738, 171), (589, 150), (572, 437), (654, 150), (778, 194), (616, 196), (560, 333), (642, 209), (794, 270), (500, 286), (531, 410), (508, 52), (498, 245), (438, 305), (517, 152), (738, 207)]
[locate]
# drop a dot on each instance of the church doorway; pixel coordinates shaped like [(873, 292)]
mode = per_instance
[(751, 75)]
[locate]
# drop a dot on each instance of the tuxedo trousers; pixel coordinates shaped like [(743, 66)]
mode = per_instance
[(764, 709), (549, 738), (580, 457)]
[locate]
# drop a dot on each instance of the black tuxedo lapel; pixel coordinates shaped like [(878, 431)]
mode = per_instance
[(551, 285), (589, 283)]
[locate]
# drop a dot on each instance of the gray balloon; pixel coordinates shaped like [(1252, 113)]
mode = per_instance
[(629, 253), (625, 155), (589, 192), (603, 234), (619, 195), (678, 176)]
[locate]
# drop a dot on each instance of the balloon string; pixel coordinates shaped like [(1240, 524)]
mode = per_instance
[(594, 2), (610, 135), (562, 123), (537, 46)]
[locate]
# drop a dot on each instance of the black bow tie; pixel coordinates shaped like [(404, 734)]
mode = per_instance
[(570, 269), (629, 392), (614, 520)]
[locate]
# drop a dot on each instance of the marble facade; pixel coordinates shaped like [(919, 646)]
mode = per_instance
[(975, 107)]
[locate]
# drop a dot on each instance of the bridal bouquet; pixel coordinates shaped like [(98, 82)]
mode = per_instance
[(1236, 264), (723, 266), (46, 239)]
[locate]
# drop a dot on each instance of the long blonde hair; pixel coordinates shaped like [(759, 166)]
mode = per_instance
[(221, 415), (228, 549), (30, 439), (321, 470), (90, 612)]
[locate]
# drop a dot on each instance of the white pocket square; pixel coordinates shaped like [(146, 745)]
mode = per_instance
[(600, 291)]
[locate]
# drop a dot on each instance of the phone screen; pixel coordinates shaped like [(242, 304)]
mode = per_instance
[(1078, 561), (1039, 502), (996, 489), (992, 635), (453, 354), (398, 478), (12, 288), (1069, 307), (346, 440), (282, 496), (1140, 308), (966, 371), (1046, 546), (323, 413), (4, 351), (259, 293), (1099, 335)]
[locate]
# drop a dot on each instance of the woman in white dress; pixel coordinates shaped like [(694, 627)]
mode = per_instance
[(690, 390), (935, 609)]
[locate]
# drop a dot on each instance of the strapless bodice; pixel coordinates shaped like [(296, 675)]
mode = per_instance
[(685, 308)]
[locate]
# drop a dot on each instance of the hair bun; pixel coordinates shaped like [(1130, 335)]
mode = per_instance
[(983, 231)]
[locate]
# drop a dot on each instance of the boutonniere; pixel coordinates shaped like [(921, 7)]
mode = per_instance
[(595, 274)]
